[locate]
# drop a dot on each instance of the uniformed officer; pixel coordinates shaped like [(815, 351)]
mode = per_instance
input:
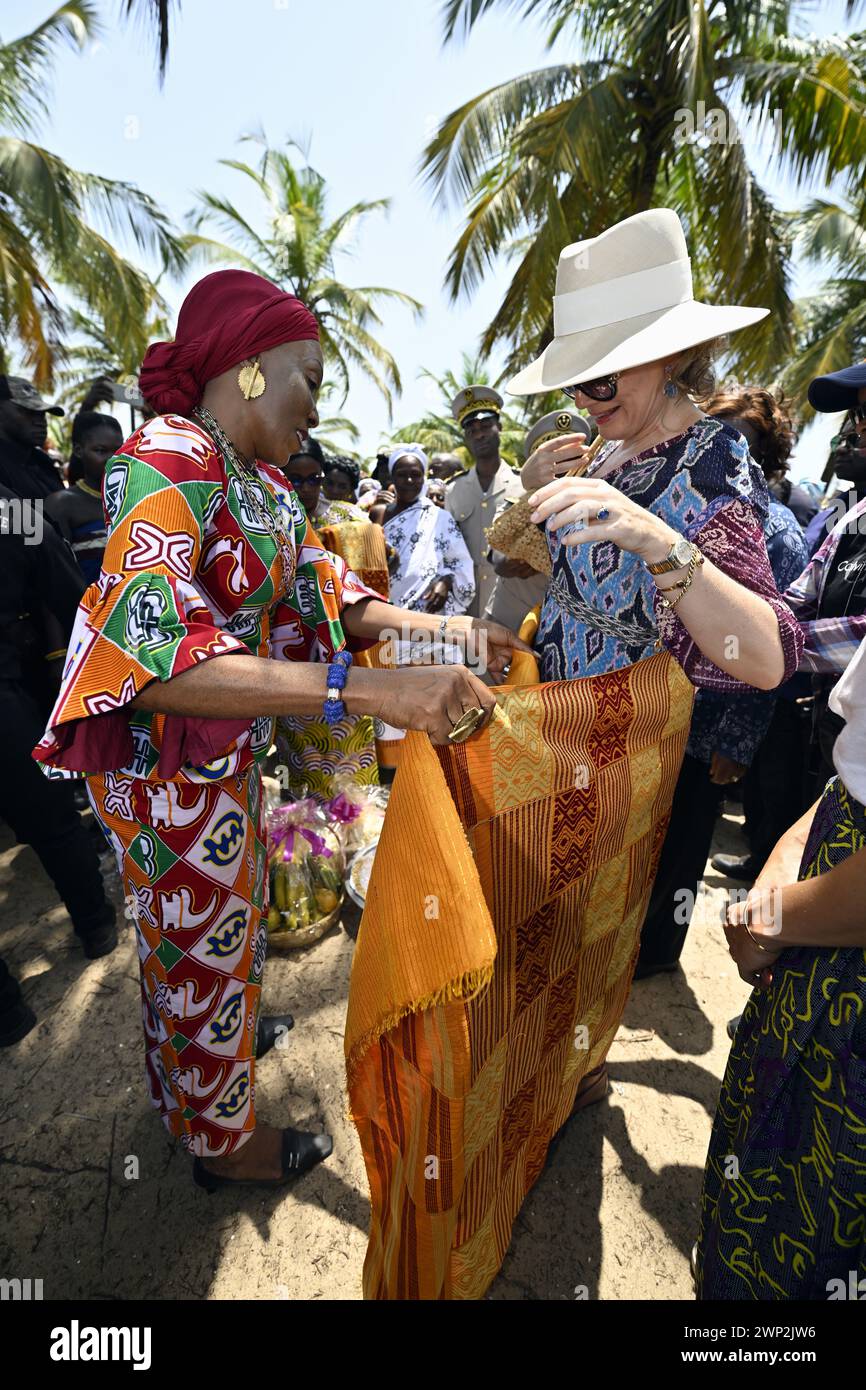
[(474, 498), (519, 588)]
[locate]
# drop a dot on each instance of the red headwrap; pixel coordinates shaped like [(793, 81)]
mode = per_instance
[(227, 317)]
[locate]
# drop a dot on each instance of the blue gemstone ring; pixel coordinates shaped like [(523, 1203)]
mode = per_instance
[(602, 514)]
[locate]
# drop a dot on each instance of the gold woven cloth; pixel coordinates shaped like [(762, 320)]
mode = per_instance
[(495, 958)]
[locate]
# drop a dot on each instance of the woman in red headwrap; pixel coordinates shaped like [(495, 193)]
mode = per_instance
[(209, 555)]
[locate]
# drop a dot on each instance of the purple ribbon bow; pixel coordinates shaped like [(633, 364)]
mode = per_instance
[(344, 810), (289, 820)]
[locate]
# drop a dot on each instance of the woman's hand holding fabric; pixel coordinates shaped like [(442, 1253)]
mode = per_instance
[(486, 644), (576, 502), (428, 698)]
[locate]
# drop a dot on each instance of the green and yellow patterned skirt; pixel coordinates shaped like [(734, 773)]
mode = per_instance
[(315, 753), (783, 1213)]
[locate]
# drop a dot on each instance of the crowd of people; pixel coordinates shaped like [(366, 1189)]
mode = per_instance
[(221, 526)]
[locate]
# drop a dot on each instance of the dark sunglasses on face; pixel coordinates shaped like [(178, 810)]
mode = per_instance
[(313, 480), (601, 388), (854, 427)]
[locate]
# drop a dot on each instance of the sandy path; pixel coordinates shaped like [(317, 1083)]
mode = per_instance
[(614, 1211)]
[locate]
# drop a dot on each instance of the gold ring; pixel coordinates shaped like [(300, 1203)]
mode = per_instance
[(466, 724)]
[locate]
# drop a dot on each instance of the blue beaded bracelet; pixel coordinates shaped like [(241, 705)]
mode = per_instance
[(335, 710)]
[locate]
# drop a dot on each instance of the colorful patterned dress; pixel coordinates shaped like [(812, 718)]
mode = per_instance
[(783, 1209), (317, 758), (191, 572)]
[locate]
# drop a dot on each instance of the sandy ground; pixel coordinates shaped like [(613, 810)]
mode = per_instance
[(97, 1202)]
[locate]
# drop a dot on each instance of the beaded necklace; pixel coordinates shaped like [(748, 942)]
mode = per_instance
[(245, 473)]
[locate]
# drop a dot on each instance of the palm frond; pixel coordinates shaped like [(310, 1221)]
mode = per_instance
[(465, 146), (157, 15), (818, 87), (55, 200), (25, 63), (833, 235), (832, 336)]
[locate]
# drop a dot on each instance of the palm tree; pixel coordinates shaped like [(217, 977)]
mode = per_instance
[(297, 250), (55, 221), (557, 155), (90, 351), (832, 322), (440, 433)]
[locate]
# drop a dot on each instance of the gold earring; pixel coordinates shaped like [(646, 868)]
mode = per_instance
[(251, 381)]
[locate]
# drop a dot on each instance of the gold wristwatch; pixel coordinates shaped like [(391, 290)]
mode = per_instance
[(679, 555)]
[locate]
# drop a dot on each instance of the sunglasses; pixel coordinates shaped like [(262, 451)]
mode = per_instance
[(313, 480), (857, 419), (601, 388)]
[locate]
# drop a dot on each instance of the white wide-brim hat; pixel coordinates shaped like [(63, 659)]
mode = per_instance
[(622, 299)]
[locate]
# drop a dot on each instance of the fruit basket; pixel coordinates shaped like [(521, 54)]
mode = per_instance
[(356, 813), (306, 875)]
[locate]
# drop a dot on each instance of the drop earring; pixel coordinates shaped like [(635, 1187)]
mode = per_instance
[(670, 390), (251, 381)]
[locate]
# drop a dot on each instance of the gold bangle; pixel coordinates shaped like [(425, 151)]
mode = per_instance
[(754, 940), (53, 656), (669, 588)]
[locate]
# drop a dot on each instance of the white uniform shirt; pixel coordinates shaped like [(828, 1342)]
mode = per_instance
[(475, 511), (848, 700)]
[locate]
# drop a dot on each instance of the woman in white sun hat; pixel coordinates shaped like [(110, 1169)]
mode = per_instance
[(673, 499), (661, 544)]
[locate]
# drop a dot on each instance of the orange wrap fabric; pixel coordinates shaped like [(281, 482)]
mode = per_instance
[(495, 958), (524, 665)]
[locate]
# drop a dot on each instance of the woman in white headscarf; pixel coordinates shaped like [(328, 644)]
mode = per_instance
[(432, 570)]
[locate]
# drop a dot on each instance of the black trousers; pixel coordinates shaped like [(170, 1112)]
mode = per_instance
[(681, 867), (10, 993), (42, 813), (826, 728), (776, 788)]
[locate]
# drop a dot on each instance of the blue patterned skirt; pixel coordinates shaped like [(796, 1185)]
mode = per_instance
[(783, 1210)]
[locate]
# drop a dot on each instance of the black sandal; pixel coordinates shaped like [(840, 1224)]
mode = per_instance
[(269, 1030), (301, 1152)]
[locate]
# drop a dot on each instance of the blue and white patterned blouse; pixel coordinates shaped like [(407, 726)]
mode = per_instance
[(601, 612)]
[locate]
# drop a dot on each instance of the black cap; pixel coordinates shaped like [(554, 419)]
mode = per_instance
[(837, 390), (24, 393)]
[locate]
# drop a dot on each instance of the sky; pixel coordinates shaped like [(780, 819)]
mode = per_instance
[(362, 86)]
